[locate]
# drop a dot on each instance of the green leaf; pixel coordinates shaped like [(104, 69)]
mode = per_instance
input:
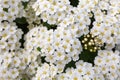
[(88, 56), (25, 4), (23, 79), (21, 20), (53, 26), (39, 49), (74, 3), (5, 9)]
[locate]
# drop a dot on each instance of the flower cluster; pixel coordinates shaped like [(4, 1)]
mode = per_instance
[(106, 25), (64, 15), (83, 71), (46, 72), (30, 16), (107, 63), (9, 37), (91, 43), (10, 10), (19, 64), (59, 47), (56, 40)]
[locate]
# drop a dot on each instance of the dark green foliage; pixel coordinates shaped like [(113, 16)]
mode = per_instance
[(88, 56), (22, 24), (5, 9), (39, 49), (24, 4), (49, 26), (74, 2), (23, 79), (21, 20), (92, 20), (70, 65)]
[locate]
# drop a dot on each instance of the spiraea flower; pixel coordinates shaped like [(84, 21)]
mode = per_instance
[(59, 39), (108, 64), (46, 71), (10, 10), (9, 37), (82, 71), (57, 46)]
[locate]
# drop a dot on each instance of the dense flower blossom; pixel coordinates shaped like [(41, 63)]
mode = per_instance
[(63, 14), (30, 16), (9, 37), (83, 71), (46, 72), (10, 10), (108, 64), (56, 46), (106, 24), (54, 40)]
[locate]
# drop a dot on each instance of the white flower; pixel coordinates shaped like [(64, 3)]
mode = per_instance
[(57, 35), (51, 19), (50, 58), (76, 43), (46, 5), (3, 15), (110, 46), (75, 76), (53, 70), (69, 72), (12, 30), (49, 49), (103, 5), (61, 7), (80, 70), (66, 47), (62, 77), (14, 73), (60, 15), (13, 2), (67, 58), (45, 16), (3, 72), (7, 57), (75, 57), (26, 59), (59, 55), (57, 44), (12, 39), (99, 61), (110, 62), (43, 71), (22, 65), (13, 10), (5, 35), (3, 44), (16, 62), (5, 3)]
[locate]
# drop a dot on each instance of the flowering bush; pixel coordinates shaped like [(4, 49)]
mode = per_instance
[(60, 40)]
